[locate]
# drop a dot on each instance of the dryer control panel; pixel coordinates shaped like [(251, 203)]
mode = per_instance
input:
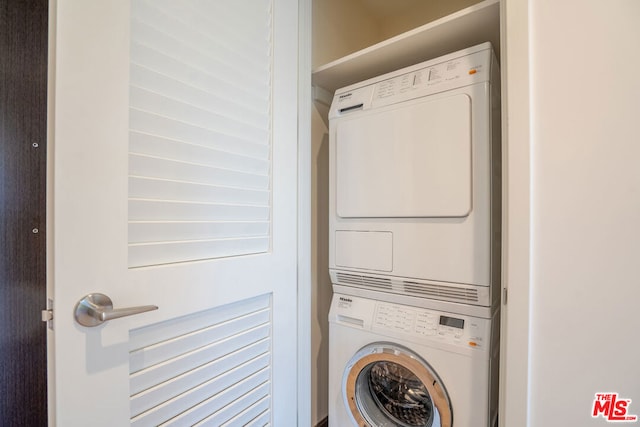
[(451, 71)]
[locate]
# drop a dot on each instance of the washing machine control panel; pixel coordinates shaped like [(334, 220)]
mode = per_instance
[(430, 324)]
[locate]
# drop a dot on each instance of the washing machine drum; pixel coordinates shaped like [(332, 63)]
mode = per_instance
[(387, 385)]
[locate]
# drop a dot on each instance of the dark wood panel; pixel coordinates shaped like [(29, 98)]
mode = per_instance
[(23, 113)]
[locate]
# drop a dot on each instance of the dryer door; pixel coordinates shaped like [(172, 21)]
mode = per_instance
[(408, 160), (387, 385)]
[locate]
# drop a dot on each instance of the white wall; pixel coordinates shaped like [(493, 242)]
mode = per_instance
[(514, 345), (584, 289)]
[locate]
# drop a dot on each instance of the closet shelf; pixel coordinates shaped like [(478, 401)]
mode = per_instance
[(467, 27)]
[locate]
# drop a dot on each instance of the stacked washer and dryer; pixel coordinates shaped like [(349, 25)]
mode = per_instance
[(415, 245)]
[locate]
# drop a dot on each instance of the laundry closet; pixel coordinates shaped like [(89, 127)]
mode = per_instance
[(355, 41)]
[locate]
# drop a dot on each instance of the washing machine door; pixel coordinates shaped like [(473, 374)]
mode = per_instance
[(387, 385)]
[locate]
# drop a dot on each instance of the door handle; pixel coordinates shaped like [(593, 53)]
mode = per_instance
[(95, 309)]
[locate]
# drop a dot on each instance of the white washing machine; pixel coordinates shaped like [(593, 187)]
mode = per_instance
[(394, 365)]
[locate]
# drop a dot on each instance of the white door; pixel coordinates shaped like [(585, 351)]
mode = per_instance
[(173, 183)]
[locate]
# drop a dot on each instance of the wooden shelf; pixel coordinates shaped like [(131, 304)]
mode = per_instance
[(468, 27)]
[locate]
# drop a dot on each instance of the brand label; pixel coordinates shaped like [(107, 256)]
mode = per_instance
[(612, 408), (345, 302)]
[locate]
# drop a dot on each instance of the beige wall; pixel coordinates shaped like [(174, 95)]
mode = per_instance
[(341, 27), (320, 283), (418, 13)]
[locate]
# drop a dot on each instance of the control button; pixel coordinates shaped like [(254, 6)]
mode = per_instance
[(452, 65), (434, 74), (473, 71), (473, 344)]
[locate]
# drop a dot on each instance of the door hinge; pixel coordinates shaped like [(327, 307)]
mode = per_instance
[(504, 296), (47, 315)]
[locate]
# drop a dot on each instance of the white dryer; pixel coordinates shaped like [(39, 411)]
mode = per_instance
[(414, 181), (394, 365)]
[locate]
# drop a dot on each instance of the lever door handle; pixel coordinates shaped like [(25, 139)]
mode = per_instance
[(95, 309)]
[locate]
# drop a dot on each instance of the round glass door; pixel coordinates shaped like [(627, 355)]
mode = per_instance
[(386, 385)]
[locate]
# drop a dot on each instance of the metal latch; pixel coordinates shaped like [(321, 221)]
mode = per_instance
[(47, 315)]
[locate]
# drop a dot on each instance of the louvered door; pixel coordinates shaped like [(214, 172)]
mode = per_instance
[(174, 130)]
